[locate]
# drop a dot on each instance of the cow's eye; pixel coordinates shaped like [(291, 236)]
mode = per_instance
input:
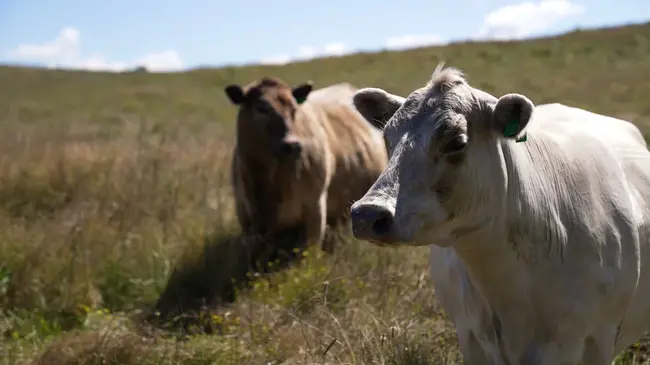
[(456, 145)]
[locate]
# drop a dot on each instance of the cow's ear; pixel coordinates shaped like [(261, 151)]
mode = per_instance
[(511, 116), (301, 91), (235, 94), (376, 105)]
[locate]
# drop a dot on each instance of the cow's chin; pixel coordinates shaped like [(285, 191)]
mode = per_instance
[(421, 238), (286, 157), (440, 240), (412, 232), (446, 234), (435, 234), (395, 239)]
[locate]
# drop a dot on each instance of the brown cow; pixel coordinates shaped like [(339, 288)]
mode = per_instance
[(300, 162)]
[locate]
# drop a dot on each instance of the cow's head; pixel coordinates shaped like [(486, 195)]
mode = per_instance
[(266, 114), (446, 174)]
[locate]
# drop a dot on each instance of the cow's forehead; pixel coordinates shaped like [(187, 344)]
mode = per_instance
[(269, 86), (425, 114), (411, 109), (443, 106)]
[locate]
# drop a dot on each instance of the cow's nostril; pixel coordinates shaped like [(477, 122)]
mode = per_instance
[(296, 147), (286, 149), (372, 222), (290, 148), (383, 225)]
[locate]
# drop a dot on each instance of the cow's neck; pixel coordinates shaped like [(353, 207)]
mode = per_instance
[(257, 161), (268, 169), (494, 269)]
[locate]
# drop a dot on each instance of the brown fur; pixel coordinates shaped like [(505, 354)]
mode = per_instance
[(341, 157)]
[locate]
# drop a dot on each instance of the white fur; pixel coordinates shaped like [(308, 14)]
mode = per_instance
[(558, 271)]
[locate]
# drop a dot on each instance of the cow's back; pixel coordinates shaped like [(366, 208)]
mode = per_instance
[(356, 146), (609, 164), (574, 122)]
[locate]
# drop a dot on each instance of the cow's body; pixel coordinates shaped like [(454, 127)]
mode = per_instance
[(340, 156), (590, 298), (545, 257)]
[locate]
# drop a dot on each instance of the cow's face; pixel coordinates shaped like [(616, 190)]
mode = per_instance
[(444, 160), (267, 110)]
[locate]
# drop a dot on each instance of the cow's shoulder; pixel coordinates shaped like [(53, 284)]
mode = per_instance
[(331, 107), (576, 123), (568, 172), (333, 93)]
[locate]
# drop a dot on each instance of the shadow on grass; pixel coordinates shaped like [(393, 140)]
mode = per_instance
[(225, 265)]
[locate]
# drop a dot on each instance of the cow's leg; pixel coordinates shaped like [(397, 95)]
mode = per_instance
[(599, 350), (316, 220), (576, 351), (471, 349), (244, 218), (548, 353), (329, 243)]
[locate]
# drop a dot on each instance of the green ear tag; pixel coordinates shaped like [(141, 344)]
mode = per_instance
[(511, 129), (300, 101)]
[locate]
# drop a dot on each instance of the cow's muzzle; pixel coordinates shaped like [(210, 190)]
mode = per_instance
[(372, 222), (289, 147)]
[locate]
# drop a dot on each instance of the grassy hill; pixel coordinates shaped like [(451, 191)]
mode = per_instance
[(109, 181)]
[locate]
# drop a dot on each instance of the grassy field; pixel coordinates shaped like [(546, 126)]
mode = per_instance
[(108, 182)]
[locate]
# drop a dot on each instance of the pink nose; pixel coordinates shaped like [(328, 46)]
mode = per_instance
[(290, 139)]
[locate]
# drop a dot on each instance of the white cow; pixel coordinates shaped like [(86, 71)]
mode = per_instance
[(539, 247)]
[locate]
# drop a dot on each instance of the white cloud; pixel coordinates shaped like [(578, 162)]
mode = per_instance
[(333, 49), (64, 51), (412, 41), (161, 61), (278, 59), (516, 21), (306, 52), (65, 45), (525, 19), (338, 49), (98, 63)]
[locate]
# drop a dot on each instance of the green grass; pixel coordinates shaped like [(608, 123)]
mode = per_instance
[(109, 183)]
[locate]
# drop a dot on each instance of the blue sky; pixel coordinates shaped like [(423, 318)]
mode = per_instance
[(170, 35)]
